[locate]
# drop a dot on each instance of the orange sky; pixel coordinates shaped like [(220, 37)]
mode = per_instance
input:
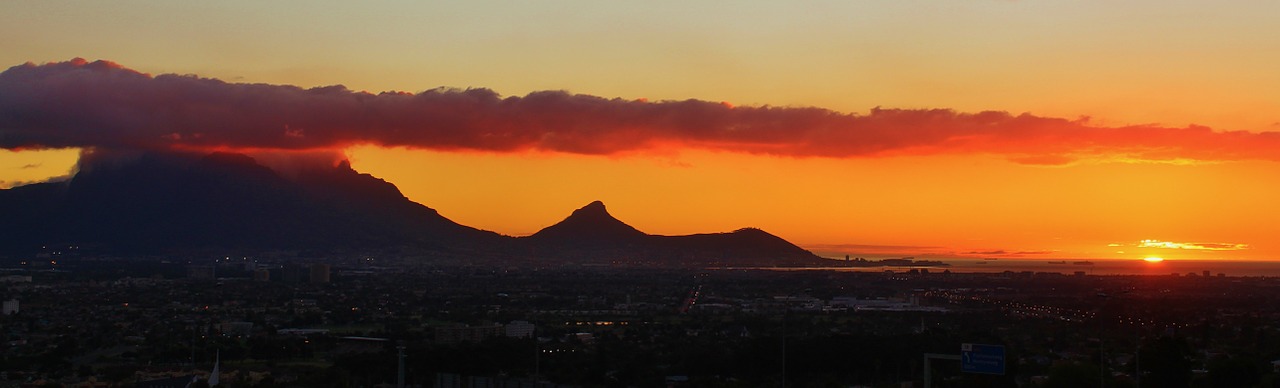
[(1166, 64), (934, 205)]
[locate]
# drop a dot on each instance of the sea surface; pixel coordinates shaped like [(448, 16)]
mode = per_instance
[(1094, 267)]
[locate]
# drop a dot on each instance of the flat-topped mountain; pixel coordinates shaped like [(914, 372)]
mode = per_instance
[(157, 203), (163, 203)]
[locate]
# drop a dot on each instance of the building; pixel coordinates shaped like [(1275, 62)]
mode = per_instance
[(294, 273), (201, 272), (243, 329), (168, 382), (459, 333), (262, 275), (320, 273), (15, 279), (519, 329), (10, 307)]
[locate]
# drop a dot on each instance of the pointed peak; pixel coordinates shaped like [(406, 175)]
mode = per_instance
[(593, 207), (591, 222), (593, 211)]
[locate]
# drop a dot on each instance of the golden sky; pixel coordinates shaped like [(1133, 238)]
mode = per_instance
[(1182, 73)]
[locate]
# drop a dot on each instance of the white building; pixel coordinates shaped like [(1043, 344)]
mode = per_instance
[(10, 307), (15, 279), (519, 329)]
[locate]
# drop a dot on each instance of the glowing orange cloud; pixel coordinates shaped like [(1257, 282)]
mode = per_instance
[(102, 104), (1192, 246)]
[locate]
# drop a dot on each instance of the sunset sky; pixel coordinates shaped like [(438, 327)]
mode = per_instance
[(971, 128)]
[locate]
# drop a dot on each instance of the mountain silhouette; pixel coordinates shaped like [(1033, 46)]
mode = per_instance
[(162, 202), (592, 234), (589, 225), (184, 203)]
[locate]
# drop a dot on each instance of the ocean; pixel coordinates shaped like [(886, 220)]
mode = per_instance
[(1095, 267)]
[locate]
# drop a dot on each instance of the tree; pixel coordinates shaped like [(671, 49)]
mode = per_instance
[(1069, 375), (1235, 371), (1166, 362)]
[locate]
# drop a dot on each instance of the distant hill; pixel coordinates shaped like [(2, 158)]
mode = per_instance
[(592, 232), (165, 203)]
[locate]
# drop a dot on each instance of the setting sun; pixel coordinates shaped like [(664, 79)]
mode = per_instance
[(1153, 259)]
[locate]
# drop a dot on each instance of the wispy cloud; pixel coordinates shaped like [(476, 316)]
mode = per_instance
[(918, 250), (105, 105), (1001, 252), (838, 250), (869, 247), (1192, 246)]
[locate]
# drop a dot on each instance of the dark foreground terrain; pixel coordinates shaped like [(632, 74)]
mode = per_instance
[(344, 321)]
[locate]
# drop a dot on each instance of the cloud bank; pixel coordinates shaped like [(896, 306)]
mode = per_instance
[(101, 104)]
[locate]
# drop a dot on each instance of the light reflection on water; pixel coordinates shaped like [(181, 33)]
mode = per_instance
[(1098, 267)]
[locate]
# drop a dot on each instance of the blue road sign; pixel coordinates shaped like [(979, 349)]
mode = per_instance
[(979, 358)]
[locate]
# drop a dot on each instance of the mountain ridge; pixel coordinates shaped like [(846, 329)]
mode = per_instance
[(159, 203)]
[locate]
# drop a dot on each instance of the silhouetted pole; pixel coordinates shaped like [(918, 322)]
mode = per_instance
[(400, 374), (1102, 354), (537, 355), (928, 365), (784, 346), (1137, 373), (193, 346), (928, 372), (1137, 357)]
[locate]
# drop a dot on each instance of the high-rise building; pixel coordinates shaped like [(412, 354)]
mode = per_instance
[(293, 273), (10, 307)]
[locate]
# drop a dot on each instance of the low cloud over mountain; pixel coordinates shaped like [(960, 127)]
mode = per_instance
[(105, 105)]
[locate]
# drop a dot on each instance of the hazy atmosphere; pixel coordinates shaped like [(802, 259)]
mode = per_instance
[(582, 194), (973, 128)]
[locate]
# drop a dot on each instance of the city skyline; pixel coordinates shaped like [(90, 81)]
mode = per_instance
[(1121, 131)]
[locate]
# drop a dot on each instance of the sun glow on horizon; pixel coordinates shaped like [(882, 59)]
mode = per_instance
[(973, 133)]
